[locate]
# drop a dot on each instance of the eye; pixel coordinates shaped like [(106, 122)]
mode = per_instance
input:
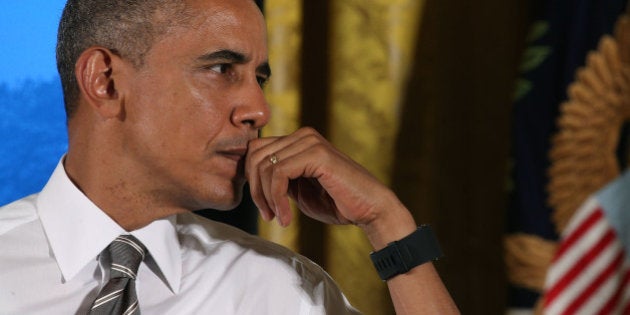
[(220, 68), (262, 80)]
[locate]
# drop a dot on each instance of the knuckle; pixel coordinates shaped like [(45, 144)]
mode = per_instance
[(313, 140), (307, 131), (320, 149), (257, 155), (254, 144), (277, 170)]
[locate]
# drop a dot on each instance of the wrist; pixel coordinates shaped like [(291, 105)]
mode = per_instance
[(400, 256), (389, 225)]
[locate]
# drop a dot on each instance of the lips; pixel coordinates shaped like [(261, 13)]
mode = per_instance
[(236, 154)]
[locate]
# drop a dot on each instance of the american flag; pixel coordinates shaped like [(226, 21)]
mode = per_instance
[(590, 272)]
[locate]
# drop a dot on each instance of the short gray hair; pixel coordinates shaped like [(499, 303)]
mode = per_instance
[(126, 27)]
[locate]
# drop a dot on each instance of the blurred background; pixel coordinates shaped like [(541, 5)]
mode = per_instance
[(451, 104)]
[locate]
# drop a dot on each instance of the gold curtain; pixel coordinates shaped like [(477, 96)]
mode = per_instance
[(370, 48), (284, 23)]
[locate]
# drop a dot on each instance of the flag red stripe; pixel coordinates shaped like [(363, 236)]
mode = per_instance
[(582, 263), (593, 286), (626, 309), (614, 300), (578, 232)]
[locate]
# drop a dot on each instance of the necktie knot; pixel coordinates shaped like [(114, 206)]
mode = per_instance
[(118, 296), (127, 253)]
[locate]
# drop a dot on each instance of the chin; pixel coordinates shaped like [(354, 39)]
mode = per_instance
[(228, 205), (224, 199)]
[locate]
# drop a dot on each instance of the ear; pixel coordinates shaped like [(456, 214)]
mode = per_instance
[(95, 71)]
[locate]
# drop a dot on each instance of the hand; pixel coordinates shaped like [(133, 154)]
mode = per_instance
[(330, 187), (326, 184)]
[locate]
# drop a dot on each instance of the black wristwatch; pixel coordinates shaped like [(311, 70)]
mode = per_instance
[(401, 256)]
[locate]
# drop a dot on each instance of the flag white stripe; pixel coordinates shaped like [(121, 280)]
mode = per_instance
[(598, 298), (575, 252), (583, 280), (624, 299), (580, 215)]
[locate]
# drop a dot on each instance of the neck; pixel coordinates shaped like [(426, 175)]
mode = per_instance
[(106, 178)]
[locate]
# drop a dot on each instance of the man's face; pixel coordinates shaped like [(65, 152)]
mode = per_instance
[(195, 103)]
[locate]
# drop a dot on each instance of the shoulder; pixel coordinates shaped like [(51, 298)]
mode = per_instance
[(18, 213), (211, 236), (21, 233), (254, 267)]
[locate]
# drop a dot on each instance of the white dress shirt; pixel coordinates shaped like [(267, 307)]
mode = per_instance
[(50, 263)]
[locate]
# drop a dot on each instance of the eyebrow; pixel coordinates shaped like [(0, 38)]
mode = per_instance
[(235, 57)]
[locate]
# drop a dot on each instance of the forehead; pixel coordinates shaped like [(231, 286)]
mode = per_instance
[(222, 7), (228, 16), (212, 25)]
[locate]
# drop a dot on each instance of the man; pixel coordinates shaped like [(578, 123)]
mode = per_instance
[(164, 105)]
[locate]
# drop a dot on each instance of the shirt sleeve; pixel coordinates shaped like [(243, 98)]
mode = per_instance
[(321, 294)]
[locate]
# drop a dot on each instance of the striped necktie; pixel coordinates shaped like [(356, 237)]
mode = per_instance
[(118, 296)]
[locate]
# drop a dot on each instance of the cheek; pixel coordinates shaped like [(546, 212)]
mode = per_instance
[(207, 111), (152, 120), (185, 114)]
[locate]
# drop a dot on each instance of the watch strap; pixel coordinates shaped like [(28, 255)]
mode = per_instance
[(400, 256)]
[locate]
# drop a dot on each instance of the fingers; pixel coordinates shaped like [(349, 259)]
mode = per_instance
[(253, 177), (327, 185), (270, 165)]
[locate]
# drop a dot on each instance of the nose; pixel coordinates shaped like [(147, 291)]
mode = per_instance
[(252, 109)]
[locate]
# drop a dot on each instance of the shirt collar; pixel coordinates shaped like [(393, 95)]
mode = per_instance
[(77, 231), (160, 239)]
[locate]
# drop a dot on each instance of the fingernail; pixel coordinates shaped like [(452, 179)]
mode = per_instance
[(265, 215)]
